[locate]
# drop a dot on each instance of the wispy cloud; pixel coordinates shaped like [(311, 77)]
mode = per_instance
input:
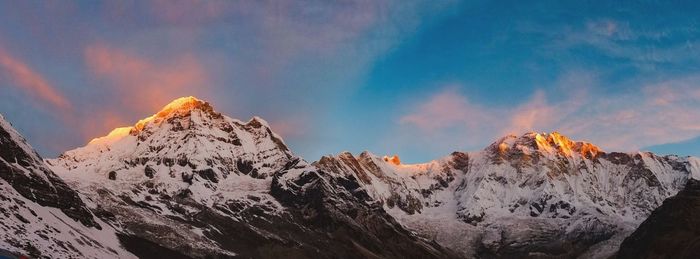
[(663, 113), (290, 127), (137, 85), (645, 47), (141, 84), (447, 109), (18, 74)]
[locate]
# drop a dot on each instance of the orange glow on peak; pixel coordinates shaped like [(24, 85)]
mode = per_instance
[(142, 122), (542, 142), (179, 105), (589, 150), (114, 135), (555, 141), (502, 148), (182, 104), (565, 145), (187, 102), (392, 159)]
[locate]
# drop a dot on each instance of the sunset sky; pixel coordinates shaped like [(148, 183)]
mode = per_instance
[(419, 79)]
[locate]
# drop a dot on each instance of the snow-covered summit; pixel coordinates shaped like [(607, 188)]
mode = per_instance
[(186, 151), (546, 143), (569, 192), (206, 176), (178, 107), (205, 185), (187, 139)]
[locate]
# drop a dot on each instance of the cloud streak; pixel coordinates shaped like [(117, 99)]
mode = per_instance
[(447, 109), (646, 49), (20, 75), (136, 85), (666, 112), (143, 85)]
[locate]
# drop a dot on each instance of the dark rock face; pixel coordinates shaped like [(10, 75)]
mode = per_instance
[(548, 241), (144, 248), (25, 171), (360, 227), (149, 172), (40, 216), (324, 217), (671, 231), (208, 174), (363, 168)]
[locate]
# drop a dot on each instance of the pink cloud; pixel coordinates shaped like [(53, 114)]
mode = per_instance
[(624, 122), (22, 76), (291, 127), (450, 109), (287, 32), (142, 84), (139, 85), (674, 91), (443, 110), (533, 113)]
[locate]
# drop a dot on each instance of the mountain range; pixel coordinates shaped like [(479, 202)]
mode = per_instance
[(189, 182)]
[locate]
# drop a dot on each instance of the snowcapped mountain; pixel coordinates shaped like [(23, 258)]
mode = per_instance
[(190, 182), (184, 147), (41, 216), (531, 195)]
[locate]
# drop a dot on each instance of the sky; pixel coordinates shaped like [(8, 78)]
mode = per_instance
[(419, 79)]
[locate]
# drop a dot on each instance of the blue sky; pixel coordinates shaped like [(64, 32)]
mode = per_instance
[(415, 78)]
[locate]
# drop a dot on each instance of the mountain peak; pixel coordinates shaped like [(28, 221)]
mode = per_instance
[(553, 143), (187, 132), (179, 106), (182, 105)]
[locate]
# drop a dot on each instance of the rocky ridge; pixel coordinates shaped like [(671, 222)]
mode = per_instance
[(200, 184), (537, 194), (189, 182)]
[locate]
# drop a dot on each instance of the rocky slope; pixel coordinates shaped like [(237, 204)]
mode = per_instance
[(193, 183), (671, 231), (40, 215), (535, 195)]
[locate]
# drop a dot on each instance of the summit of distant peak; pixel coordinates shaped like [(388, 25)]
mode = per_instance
[(179, 105), (553, 142), (183, 103)]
